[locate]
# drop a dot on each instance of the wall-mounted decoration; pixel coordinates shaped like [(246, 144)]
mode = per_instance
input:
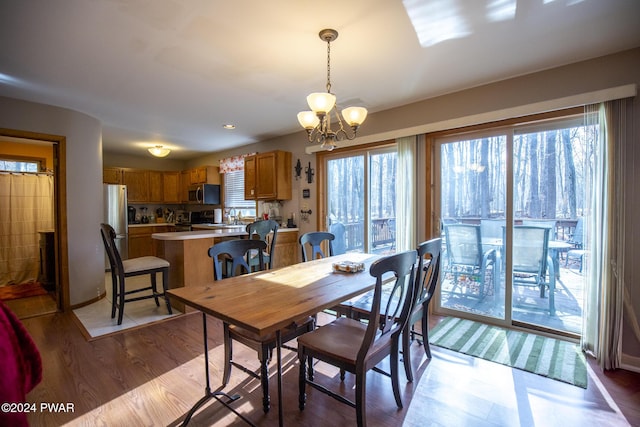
[(298, 169), (310, 172), (304, 213)]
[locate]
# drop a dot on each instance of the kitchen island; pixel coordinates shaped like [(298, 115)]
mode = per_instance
[(187, 252)]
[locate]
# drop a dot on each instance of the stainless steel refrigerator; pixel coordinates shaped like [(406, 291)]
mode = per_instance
[(115, 214)]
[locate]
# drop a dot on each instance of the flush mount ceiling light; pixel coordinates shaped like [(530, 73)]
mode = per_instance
[(159, 151), (317, 122)]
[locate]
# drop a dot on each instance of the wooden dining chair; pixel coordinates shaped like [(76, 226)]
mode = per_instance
[(121, 269), (261, 229), (313, 241), (356, 347), (427, 276), (426, 279), (236, 253)]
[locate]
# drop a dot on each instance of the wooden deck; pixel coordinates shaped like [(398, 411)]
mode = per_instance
[(528, 306)]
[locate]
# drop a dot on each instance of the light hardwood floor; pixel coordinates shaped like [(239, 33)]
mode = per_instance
[(151, 376)]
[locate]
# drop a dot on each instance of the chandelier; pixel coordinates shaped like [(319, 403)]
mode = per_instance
[(317, 122)]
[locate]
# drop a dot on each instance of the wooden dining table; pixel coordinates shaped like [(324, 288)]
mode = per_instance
[(268, 301)]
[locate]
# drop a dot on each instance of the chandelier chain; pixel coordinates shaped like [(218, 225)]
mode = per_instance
[(328, 66)]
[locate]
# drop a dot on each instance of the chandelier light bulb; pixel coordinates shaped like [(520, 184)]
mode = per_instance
[(321, 102), (308, 119), (354, 115)]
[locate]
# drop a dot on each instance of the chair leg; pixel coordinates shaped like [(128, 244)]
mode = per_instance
[(264, 379), (361, 383), (154, 288), (425, 332), (228, 355), (121, 301), (114, 295), (394, 372), (165, 288), (406, 353), (302, 380)]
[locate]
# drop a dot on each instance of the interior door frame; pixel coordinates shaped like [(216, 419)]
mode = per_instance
[(60, 208)]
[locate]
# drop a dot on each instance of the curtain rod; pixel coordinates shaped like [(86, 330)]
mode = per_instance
[(26, 173)]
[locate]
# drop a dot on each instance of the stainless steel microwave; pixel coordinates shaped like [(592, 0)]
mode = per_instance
[(204, 194)]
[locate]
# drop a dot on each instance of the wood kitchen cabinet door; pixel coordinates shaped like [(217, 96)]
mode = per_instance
[(137, 182), (112, 175), (287, 249), (205, 175), (250, 178), (171, 187), (155, 187), (267, 176)]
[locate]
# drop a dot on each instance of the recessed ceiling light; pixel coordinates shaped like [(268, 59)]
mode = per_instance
[(229, 126)]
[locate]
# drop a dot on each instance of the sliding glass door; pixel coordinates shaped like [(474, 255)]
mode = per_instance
[(513, 209), (360, 201)]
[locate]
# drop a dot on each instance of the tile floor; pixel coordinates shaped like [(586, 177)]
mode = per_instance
[(96, 318)]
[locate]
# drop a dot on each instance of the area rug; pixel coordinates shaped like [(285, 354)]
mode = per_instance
[(22, 290), (556, 359)]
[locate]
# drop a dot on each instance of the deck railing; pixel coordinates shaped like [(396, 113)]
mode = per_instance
[(382, 233)]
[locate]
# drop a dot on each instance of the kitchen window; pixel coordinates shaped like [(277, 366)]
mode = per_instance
[(233, 173)]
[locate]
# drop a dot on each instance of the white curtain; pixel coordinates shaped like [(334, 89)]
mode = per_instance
[(406, 203), (602, 336), (26, 207)]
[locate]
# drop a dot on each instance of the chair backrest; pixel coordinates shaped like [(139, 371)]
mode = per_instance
[(109, 240), (464, 244), (262, 228), (388, 320), (577, 238), (427, 273), (314, 239), (237, 250), (550, 224), (530, 247), (339, 244)]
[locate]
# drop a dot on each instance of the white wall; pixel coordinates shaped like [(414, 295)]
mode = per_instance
[(84, 186)]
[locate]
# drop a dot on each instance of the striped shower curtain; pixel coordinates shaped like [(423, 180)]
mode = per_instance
[(26, 207)]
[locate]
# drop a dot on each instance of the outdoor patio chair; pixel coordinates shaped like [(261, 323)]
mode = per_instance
[(467, 261), (577, 240), (532, 264)]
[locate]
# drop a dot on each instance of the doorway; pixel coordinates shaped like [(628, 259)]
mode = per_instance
[(32, 279)]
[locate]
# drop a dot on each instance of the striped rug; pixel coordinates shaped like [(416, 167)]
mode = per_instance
[(557, 359)]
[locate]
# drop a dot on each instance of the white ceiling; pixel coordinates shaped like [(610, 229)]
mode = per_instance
[(174, 71)]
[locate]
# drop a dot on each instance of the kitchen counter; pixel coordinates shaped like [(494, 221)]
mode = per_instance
[(151, 224), (187, 252), (203, 231)]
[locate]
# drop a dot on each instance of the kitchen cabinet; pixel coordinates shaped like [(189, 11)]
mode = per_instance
[(141, 243), (287, 249), (185, 181), (137, 182), (267, 176), (171, 187), (204, 175), (155, 187), (112, 175)]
